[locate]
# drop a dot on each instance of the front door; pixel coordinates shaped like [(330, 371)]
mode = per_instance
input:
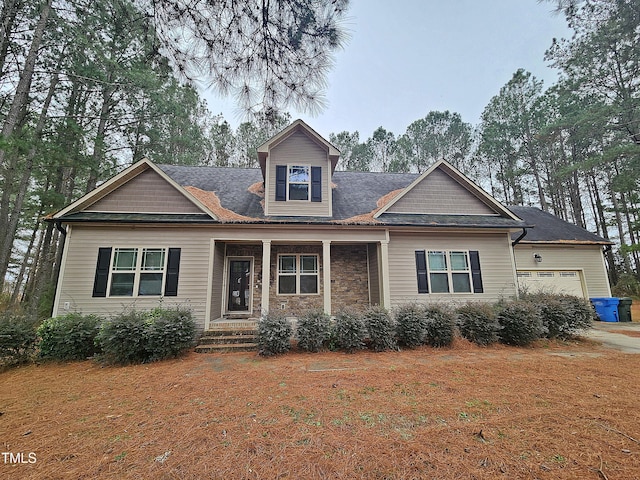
[(239, 285)]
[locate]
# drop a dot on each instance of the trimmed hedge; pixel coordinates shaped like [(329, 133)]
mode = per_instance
[(17, 339), (169, 332), (274, 335), (348, 332), (562, 315), (478, 323), (521, 323), (439, 326), (380, 328), (313, 330), (69, 337), (411, 325), (147, 336)]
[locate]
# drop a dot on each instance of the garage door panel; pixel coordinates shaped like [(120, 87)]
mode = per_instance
[(551, 281)]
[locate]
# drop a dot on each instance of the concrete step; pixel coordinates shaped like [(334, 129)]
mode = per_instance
[(226, 339), (228, 347)]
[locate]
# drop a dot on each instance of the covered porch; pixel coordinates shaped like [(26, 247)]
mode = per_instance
[(327, 274)]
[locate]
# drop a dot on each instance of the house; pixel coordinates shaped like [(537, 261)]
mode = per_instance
[(295, 235), (557, 256)]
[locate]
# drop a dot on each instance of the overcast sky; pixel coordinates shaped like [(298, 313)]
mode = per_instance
[(406, 58)]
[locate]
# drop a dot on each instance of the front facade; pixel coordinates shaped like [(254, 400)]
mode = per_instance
[(291, 236)]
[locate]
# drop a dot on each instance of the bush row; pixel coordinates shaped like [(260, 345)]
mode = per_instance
[(130, 337), (518, 322)]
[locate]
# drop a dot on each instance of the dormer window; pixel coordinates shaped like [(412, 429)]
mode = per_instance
[(298, 182)]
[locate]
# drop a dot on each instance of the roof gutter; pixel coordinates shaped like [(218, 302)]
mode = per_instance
[(519, 239)]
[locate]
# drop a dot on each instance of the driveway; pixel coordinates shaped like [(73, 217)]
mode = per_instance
[(611, 335)]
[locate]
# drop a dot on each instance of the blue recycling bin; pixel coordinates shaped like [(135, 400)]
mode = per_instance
[(606, 308)]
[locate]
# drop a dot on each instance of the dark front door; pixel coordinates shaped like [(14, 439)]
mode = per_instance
[(239, 285)]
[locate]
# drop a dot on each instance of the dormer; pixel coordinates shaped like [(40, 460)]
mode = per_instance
[(297, 165)]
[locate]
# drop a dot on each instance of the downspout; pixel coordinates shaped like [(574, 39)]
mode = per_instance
[(519, 239), (60, 228)]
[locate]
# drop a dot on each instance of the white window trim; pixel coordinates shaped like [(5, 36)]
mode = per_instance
[(449, 271), (137, 271), (307, 183), (297, 274)]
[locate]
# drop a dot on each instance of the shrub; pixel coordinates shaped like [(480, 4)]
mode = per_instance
[(521, 323), (168, 333), (411, 325), (147, 336), (274, 335), (348, 331), (562, 315), (121, 339), (580, 314), (439, 326), (17, 338), (478, 323), (69, 337), (381, 329), (313, 330)]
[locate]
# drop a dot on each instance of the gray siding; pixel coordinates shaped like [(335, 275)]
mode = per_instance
[(145, 193), (587, 258), (496, 261), (298, 149), (438, 193)]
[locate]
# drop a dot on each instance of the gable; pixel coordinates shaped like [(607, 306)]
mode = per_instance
[(439, 193), (147, 192)]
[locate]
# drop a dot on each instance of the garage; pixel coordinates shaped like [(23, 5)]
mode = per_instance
[(567, 282)]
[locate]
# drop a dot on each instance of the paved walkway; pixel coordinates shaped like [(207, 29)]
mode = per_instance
[(609, 334)]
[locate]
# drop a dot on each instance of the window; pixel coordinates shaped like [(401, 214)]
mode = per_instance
[(298, 182), (297, 274), (442, 271), (132, 272)]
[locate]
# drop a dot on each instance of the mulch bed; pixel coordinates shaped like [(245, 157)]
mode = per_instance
[(559, 410)]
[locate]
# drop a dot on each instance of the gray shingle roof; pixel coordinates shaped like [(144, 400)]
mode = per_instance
[(354, 194), (551, 229)]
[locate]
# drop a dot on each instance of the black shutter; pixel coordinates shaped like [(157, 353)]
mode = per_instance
[(102, 272), (173, 268), (476, 274), (421, 269), (316, 184), (281, 183)]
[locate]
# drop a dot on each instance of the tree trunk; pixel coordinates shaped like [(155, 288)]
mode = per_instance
[(11, 121), (16, 210)]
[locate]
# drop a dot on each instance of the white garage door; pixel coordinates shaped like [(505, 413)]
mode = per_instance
[(551, 281)]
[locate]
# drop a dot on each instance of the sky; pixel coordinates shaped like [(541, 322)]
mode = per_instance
[(406, 58)]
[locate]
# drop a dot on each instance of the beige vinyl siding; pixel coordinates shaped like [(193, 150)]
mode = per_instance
[(298, 149), (146, 193), (438, 193), (585, 258), (218, 281), (76, 287), (495, 261), (374, 274)]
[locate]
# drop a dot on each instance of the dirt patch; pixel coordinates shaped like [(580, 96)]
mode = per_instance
[(561, 410), (629, 333)]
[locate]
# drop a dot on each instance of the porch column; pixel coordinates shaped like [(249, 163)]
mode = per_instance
[(384, 273), (326, 275), (266, 275)]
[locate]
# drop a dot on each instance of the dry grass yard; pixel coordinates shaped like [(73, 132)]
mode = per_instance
[(556, 411)]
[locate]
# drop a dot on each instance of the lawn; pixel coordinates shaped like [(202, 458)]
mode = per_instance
[(559, 410)]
